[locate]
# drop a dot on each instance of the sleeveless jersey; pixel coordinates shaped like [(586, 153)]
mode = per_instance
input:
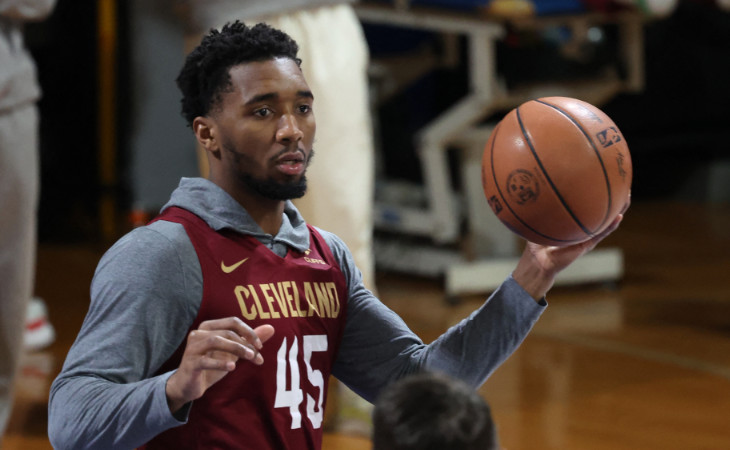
[(280, 404)]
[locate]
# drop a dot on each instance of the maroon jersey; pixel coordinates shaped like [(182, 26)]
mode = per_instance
[(280, 404)]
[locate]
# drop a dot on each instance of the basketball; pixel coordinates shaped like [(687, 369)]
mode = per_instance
[(556, 171)]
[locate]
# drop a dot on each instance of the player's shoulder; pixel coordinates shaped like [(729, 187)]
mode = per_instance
[(158, 234), (342, 255), (157, 241), (336, 245)]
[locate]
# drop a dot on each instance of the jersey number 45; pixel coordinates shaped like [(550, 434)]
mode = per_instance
[(293, 397)]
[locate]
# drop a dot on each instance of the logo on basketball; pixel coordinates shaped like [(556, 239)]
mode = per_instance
[(495, 204), (522, 186), (608, 137), (620, 159)]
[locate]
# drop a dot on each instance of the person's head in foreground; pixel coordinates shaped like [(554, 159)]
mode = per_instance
[(431, 411)]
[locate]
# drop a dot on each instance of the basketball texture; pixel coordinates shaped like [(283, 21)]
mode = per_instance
[(556, 171)]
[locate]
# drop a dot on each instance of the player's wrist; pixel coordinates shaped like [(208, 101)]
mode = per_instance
[(533, 277), (174, 395)]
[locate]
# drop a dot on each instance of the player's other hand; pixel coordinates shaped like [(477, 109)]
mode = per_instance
[(212, 351), (540, 264)]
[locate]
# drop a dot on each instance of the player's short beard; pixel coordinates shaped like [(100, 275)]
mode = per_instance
[(268, 187), (275, 190)]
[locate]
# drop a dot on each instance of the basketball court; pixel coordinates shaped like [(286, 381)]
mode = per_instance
[(642, 363)]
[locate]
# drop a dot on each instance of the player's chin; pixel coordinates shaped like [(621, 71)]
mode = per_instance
[(299, 190), (293, 188)]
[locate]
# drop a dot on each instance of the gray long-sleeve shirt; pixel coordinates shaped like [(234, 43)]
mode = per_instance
[(146, 293)]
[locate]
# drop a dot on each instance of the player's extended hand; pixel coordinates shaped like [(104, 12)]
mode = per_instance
[(539, 264), (211, 352)]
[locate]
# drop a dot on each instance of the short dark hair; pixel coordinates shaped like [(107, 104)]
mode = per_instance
[(430, 411), (206, 72)]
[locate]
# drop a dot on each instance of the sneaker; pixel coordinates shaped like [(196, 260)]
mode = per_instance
[(39, 332)]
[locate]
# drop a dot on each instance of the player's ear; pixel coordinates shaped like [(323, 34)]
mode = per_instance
[(205, 133)]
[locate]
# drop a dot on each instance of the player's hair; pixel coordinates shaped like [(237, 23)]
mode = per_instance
[(206, 72), (432, 412)]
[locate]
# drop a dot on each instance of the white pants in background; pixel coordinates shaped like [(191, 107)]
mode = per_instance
[(19, 187)]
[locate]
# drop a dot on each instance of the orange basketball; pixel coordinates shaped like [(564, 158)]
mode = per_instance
[(556, 171)]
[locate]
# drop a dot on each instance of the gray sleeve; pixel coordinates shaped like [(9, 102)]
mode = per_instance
[(107, 395), (378, 347)]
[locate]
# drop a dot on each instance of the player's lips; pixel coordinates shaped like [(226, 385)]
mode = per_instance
[(291, 163)]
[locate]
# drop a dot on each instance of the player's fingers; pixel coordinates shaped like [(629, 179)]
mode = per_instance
[(264, 332), (211, 362), (593, 242), (206, 342), (611, 228), (628, 203), (236, 325)]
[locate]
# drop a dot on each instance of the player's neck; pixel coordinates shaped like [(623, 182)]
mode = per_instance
[(268, 218), (266, 212)]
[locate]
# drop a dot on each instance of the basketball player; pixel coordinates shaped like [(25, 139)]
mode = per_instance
[(218, 325)]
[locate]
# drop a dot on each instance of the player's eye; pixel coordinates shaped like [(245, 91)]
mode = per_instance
[(262, 112), (305, 108)]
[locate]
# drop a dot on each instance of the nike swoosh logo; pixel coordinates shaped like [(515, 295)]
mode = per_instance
[(229, 269)]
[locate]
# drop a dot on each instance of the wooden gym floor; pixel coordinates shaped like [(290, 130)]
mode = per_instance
[(641, 364)]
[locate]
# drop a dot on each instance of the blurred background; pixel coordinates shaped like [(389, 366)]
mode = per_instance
[(675, 123), (635, 357)]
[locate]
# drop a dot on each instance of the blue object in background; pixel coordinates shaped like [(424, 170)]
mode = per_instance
[(542, 7)]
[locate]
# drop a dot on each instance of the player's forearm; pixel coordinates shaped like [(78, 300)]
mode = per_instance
[(91, 413), (474, 348), (380, 348)]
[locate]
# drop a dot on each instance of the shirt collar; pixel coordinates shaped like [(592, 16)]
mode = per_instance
[(219, 210)]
